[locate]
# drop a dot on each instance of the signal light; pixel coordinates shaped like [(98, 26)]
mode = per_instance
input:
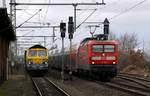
[(70, 36), (70, 25), (62, 29)]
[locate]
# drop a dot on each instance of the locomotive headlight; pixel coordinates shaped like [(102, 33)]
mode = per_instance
[(110, 58), (96, 58), (114, 62), (45, 63), (29, 62), (93, 62)]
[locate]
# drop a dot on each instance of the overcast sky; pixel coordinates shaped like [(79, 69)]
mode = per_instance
[(124, 15)]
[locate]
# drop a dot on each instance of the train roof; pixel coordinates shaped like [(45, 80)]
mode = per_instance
[(104, 42), (87, 39), (37, 46), (91, 40)]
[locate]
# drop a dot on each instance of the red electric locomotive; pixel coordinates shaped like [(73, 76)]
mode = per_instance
[(93, 57), (98, 57)]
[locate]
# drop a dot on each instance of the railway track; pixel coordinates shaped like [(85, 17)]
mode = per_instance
[(138, 80), (136, 86), (45, 87), (135, 77), (131, 84)]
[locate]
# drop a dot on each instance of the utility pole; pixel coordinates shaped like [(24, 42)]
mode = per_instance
[(44, 41), (75, 16), (53, 35), (13, 45), (13, 14), (13, 20)]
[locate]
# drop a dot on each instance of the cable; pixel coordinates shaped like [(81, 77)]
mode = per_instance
[(128, 9), (103, 8), (28, 12), (28, 19), (111, 4), (86, 19), (46, 11), (27, 33)]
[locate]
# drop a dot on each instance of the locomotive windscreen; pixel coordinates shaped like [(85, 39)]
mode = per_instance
[(103, 48), (42, 53), (39, 53), (32, 53), (109, 48)]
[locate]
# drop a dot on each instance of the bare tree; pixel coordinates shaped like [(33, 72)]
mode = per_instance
[(112, 36), (129, 58), (128, 42)]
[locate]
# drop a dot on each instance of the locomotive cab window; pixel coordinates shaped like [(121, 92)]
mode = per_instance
[(103, 48), (97, 48), (109, 48), (42, 53), (32, 53)]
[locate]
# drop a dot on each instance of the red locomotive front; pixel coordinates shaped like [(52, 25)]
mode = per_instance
[(99, 57), (105, 52)]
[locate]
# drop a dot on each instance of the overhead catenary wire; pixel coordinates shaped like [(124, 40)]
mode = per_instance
[(23, 10), (46, 10), (102, 8), (112, 18), (86, 19), (115, 2), (127, 10), (121, 13), (27, 33), (29, 18)]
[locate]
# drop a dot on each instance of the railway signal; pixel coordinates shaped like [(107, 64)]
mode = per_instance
[(70, 32), (63, 31), (70, 27)]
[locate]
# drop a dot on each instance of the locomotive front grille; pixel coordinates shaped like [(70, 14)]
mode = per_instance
[(37, 61)]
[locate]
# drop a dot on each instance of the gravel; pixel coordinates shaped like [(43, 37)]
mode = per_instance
[(80, 87)]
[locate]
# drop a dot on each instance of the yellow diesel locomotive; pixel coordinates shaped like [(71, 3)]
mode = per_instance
[(36, 59)]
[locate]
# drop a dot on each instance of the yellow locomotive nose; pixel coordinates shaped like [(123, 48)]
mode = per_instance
[(37, 61)]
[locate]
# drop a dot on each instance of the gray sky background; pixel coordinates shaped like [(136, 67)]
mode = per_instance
[(124, 16)]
